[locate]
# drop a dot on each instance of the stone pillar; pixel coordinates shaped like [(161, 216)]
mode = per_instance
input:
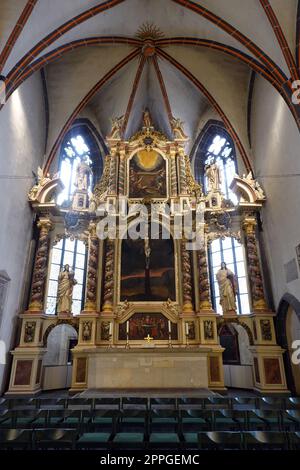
[(92, 270), (254, 270), (36, 303), (186, 279), (182, 174), (108, 295)]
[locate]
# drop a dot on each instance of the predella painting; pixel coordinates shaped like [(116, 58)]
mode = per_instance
[(143, 324), (147, 270), (147, 175)]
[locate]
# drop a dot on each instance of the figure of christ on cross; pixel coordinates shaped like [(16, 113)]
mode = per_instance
[(147, 251)]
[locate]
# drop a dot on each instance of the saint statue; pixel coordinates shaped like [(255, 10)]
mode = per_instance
[(213, 175), (116, 128), (228, 287), (147, 121), (66, 282), (83, 172)]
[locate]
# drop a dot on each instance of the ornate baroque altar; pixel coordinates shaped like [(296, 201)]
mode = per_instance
[(148, 320)]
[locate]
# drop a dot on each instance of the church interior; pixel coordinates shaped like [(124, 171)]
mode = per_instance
[(150, 224)]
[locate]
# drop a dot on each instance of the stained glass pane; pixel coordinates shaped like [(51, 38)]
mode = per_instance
[(226, 243), (241, 269), (76, 307), (81, 247), (228, 256), (80, 259), (79, 275), (239, 254), (245, 303), (54, 271), (216, 259), (242, 285), (69, 245), (68, 258), (77, 292), (52, 288), (56, 256), (51, 306)]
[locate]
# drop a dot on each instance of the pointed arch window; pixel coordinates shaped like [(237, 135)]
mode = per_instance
[(79, 145), (73, 253), (231, 252), (216, 146)]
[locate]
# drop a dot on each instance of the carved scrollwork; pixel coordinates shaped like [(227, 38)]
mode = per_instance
[(172, 307)]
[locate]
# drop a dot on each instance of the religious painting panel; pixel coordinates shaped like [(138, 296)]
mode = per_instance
[(81, 370), (141, 325), (214, 369), (147, 270), (272, 371), (147, 175), (23, 372)]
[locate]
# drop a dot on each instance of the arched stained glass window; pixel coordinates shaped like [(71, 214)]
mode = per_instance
[(79, 145), (232, 253), (73, 253), (216, 146)]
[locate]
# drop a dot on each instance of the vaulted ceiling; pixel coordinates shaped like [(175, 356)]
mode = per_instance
[(178, 58)]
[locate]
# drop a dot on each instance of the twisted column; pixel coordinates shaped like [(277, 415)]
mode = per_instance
[(254, 270), (204, 287), (173, 175), (186, 278), (92, 270), (37, 294), (122, 175), (182, 175), (109, 276)]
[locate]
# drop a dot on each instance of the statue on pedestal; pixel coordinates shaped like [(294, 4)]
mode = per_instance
[(213, 175), (228, 286), (66, 282), (147, 121), (83, 172)]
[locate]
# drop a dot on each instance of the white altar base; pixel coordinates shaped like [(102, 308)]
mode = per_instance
[(148, 368)]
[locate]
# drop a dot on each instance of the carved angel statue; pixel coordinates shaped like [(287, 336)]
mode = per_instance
[(66, 282), (147, 121), (213, 175), (177, 128), (116, 127), (40, 181), (255, 185)]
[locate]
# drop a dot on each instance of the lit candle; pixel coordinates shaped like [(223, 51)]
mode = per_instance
[(187, 329), (110, 329), (127, 327), (169, 326)]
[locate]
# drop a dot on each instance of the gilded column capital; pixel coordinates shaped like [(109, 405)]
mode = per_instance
[(45, 225), (249, 225)]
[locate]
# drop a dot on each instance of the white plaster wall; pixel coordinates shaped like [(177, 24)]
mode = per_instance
[(22, 142), (276, 141)]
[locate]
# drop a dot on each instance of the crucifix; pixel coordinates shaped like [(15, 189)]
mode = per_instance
[(148, 338), (147, 251)]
